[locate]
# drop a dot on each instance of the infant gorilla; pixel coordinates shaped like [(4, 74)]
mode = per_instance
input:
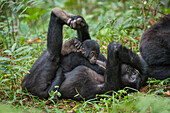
[(85, 54), (91, 50)]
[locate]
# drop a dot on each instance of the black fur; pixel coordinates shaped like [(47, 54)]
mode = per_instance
[(48, 69), (155, 48), (87, 83), (51, 65)]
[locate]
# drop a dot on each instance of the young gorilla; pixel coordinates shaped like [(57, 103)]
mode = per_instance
[(90, 49), (155, 48), (81, 79)]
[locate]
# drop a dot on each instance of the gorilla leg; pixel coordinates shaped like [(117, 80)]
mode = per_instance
[(59, 78), (78, 23), (75, 22), (39, 79), (117, 75), (112, 75), (132, 59)]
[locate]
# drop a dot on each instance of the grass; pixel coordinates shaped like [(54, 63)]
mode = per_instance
[(108, 21)]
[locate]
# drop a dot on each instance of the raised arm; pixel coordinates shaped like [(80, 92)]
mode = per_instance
[(131, 58)]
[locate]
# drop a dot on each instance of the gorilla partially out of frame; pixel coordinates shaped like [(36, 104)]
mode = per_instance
[(123, 67), (155, 48)]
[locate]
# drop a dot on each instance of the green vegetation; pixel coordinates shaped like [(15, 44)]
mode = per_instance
[(23, 29)]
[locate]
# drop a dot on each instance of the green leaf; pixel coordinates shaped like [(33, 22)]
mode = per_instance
[(24, 10), (21, 48), (24, 28), (5, 59), (97, 107), (25, 50), (20, 68), (58, 94), (21, 58), (13, 47), (8, 52), (4, 80)]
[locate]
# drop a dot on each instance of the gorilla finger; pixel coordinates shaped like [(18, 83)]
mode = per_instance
[(75, 40), (74, 24), (78, 46), (82, 24), (68, 21), (77, 43), (71, 24), (79, 20)]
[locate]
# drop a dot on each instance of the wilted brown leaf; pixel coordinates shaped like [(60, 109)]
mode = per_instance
[(104, 47), (168, 93), (151, 21)]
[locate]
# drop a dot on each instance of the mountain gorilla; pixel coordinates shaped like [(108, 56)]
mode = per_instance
[(155, 48), (123, 67)]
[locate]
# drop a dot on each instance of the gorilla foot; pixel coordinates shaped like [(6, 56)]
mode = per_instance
[(77, 43), (76, 22), (71, 45)]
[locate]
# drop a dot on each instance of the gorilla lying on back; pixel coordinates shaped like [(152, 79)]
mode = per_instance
[(155, 48), (123, 67)]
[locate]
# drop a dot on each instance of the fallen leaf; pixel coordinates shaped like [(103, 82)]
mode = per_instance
[(38, 40), (151, 21), (168, 93)]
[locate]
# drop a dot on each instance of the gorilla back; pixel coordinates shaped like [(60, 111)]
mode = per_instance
[(155, 48)]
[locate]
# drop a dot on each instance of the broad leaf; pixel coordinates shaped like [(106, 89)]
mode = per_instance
[(8, 52), (13, 47)]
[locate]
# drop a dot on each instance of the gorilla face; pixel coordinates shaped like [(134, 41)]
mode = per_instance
[(130, 77)]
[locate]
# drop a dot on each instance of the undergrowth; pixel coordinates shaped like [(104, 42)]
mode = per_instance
[(24, 25)]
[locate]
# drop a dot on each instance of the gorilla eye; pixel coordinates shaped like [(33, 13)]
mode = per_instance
[(132, 78), (92, 53), (133, 73)]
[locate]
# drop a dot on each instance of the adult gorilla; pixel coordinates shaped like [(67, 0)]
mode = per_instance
[(123, 67), (155, 48)]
